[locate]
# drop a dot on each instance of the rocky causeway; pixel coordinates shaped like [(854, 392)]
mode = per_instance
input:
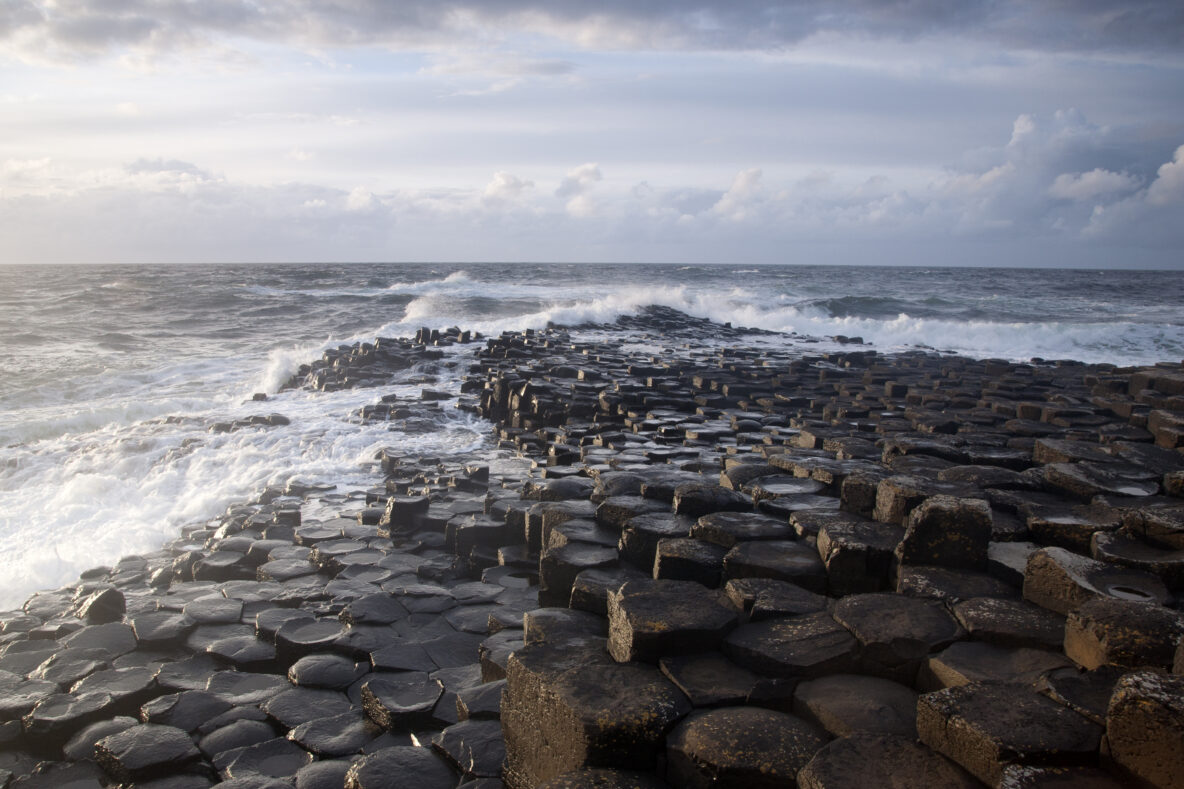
[(689, 557)]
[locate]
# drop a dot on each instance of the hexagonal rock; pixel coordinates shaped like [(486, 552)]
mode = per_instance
[(300, 637), (1061, 581), (399, 699), (985, 727), (885, 761), (1071, 527), (947, 532), (687, 559), (696, 499), (968, 661), (589, 592), (949, 585), (639, 538), (335, 735), (615, 511), (558, 569), (782, 560), (1145, 727), (846, 704), (57, 718), (569, 708), (1086, 480), (557, 625), (475, 747), (143, 752), (1121, 548), (896, 633), (128, 687), (728, 528), (768, 598), (648, 619), (811, 645), (115, 638), (1161, 526), (1124, 633), (186, 710), (781, 485), (604, 779), (740, 747), (1010, 623), (480, 702), (709, 679), (401, 765), (857, 553), (294, 706), (897, 496)]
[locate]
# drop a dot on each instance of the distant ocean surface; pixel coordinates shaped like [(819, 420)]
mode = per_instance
[(113, 374)]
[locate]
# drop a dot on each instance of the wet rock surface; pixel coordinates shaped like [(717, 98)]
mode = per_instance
[(835, 569)]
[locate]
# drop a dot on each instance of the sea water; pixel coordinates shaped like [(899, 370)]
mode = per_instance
[(113, 375)]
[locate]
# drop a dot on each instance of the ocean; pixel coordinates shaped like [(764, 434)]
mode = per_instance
[(114, 375)]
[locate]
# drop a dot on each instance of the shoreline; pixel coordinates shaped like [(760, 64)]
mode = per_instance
[(778, 537)]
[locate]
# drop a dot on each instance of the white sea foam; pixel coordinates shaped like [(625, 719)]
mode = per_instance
[(91, 496), (1121, 342)]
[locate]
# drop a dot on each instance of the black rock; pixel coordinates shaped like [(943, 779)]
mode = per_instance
[(143, 752)]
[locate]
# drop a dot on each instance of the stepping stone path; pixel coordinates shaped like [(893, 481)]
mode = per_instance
[(721, 560)]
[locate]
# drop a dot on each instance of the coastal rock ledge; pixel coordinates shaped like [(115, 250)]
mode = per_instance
[(688, 557)]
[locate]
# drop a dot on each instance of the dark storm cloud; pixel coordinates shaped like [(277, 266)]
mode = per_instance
[(82, 27)]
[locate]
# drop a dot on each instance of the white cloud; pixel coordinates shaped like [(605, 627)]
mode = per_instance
[(1025, 198), (1089, 186), (506, 186), (579, 180), (1168, 186), (361, 199), (737, 203)]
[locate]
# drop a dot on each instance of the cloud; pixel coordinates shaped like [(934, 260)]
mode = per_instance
[(362, 200), (744, 194), (1168, 187), (505, 186), (579, 180), (174, 166), (1089, 186), (73, 29), (1044, 188)]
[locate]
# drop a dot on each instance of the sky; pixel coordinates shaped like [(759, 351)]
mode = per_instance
[(982, 132)]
